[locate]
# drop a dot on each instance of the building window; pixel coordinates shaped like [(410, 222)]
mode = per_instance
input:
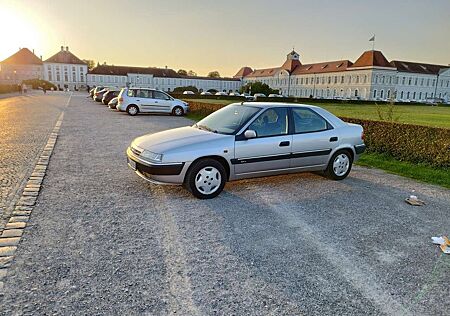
[(375, 79), (415, 81), (365, 78), (50, 75), (357, 81), (389, 94), (58, 77), (421, 82), (381, 94), (401, 95), (356, 92), (407, 95), (414, 95), (374, 94), (335, 79), (403, 80), (81, 77), (74, 76), (420, 95), (342, 79)]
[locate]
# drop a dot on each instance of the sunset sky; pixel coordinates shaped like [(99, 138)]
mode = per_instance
[(205, 35)]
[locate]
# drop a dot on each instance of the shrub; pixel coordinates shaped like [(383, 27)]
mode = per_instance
[(7, 88), (39, 83), (407, 142)]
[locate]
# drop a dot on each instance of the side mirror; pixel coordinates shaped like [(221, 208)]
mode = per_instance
[(250, 134)]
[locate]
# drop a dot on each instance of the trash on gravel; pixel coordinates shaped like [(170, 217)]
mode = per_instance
[(413, 200), (444, 243)]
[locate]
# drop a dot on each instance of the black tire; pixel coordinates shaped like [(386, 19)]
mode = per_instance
[(178, 111), (193, 174), (333, 174), (132, 110)]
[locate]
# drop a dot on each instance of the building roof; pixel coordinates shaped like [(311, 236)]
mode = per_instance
[(65, 57), (267, 72), (406, 66), (291, 64), (124, 70), (328, 66), (244, 71), (23, 57), (372, 58)]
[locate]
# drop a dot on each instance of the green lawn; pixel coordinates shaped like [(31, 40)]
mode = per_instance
[(424, 173), (436, 116)]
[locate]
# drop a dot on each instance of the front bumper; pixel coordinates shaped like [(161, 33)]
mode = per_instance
[(160, 173)]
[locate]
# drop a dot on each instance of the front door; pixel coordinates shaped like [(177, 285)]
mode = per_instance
[(313, 139), (161, 102), (144, 98), (271, 148)]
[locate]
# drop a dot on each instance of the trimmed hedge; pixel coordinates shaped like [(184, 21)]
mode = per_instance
[(406, 142), (8, 88)]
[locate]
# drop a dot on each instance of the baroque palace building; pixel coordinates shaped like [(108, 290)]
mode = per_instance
[(370, 77)]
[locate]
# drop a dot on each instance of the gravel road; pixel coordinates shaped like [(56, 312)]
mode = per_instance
[(101, 241)]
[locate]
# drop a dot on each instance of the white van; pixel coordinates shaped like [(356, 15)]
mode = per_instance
[(144, 100)]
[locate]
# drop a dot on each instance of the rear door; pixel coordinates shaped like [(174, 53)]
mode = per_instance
[(144, 98), (313, 138), (270, 150)]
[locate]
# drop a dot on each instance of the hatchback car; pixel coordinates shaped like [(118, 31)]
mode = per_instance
[(143, 100), (113, 103), (247, 140), (109, 95)]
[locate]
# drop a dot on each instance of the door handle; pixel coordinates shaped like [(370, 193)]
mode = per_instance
[(138, 100), (156, 101), (333, 139), (285, 143)]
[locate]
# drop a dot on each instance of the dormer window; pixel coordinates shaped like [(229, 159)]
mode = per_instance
[(339, 65), (324, 66)]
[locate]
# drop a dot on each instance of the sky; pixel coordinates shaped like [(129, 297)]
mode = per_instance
[(208, 35)]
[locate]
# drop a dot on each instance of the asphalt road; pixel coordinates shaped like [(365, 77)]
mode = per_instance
[(101, 241)]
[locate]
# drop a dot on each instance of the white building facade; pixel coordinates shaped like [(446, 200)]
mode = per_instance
[(65, 70), (371, 77), (158, 78)]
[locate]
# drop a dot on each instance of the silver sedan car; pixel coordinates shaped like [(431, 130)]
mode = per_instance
[(246, 140)]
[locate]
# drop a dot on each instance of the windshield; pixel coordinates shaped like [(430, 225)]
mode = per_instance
[(228, 120)]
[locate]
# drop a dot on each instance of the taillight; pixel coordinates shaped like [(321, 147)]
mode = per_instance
[(362, 135), (120, 99), (96, 94)]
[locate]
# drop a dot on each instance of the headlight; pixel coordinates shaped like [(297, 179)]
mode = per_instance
[(148, 155)]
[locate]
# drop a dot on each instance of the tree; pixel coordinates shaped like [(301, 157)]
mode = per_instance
[(188, 88), (214, 74), (192, 73), (257, 87), (182, 72), (90, 63)]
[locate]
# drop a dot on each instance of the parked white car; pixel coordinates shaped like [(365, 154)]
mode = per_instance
[(206, 93), (188, 92), (234, 94), (144, 100), (259, 95), (221, 93), (273, 95)]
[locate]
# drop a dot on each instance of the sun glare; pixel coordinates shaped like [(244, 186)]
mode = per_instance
[(17, 30)]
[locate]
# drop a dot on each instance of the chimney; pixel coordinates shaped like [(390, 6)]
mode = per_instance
[(62, 48), (166, 67), (33, 51), (41, 57), (67, 48)]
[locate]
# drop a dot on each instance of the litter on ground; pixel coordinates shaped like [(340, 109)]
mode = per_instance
[(444, 243)]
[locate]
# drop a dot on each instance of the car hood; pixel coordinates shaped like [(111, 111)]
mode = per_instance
[(162, 142)]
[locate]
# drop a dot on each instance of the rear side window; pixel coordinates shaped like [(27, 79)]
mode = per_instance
[(308, 121), (131, 92), (142, 93)]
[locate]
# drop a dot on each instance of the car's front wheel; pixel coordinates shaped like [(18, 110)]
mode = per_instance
[(178, 111), (340, 165), (206, 178), (132, 110)]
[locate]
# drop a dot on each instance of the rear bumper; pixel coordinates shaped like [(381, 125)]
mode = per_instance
[(359, 149)]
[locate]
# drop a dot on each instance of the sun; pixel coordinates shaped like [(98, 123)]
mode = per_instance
[(17, 30)]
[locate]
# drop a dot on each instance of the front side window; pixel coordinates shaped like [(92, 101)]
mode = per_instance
[(308, 121), (160, 95), (272, 122)]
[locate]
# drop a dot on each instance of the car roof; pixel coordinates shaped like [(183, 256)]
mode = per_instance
[(266, 105)]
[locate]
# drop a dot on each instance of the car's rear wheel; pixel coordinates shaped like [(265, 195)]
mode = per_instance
[(340, 165), (206, 178), (177, 111), (132, 110)]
